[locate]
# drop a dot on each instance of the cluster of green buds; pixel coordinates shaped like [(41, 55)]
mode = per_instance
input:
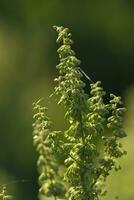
[(113, 148), (49, 182), (70, 86), (90, 146)]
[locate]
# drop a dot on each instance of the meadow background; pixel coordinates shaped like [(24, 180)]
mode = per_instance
[(103, 32)]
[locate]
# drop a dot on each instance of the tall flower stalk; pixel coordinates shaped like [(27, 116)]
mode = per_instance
[(49, 179), (91, 144)]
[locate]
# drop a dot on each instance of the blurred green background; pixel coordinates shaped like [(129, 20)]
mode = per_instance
[(103, 32)]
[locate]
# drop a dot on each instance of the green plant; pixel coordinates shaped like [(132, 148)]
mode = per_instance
[(91, 144), (4, 195)]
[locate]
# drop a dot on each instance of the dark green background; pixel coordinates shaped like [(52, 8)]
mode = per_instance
[(103, 32)]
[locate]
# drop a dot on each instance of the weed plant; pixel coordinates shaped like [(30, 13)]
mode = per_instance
[(91, 144)]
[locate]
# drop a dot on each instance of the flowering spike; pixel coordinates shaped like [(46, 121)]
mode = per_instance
[(88, 151)]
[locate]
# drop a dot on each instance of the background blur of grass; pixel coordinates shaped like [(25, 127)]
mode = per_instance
[(103, 33)]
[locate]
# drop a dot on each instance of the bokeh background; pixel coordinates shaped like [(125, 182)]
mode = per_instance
[(103, 32)]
